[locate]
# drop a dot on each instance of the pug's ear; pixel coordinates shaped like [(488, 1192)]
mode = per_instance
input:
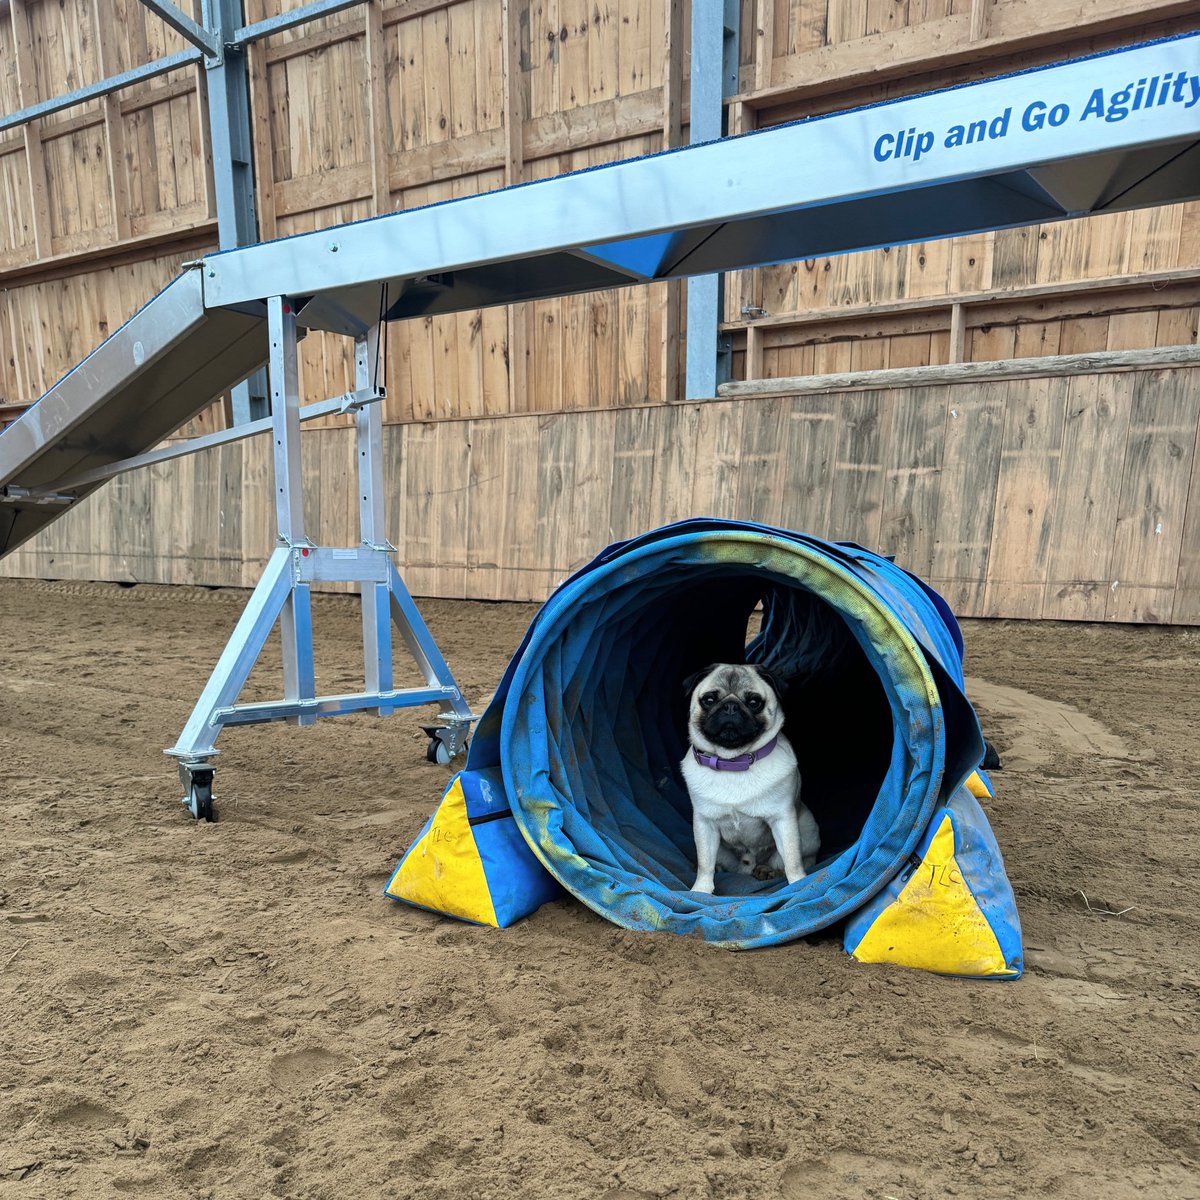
[(689, 684), (778, 685)]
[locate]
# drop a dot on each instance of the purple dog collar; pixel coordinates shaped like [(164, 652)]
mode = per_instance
[(743, 762)]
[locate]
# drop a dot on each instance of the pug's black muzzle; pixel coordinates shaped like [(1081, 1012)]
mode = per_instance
[(731, 725)]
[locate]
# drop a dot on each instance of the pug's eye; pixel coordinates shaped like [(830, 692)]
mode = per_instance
[(754, 703), (708, 699)]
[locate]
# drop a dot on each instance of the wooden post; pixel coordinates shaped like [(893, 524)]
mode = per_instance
[(32, 132), (514, 168), (754, 352), (958, 334)]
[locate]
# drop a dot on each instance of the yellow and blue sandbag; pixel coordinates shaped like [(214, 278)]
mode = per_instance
[(470, 860), (951, 909)]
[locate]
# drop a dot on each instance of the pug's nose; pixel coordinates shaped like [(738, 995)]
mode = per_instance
[(730, 707)]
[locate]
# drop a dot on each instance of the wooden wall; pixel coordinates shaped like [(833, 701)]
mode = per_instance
[(400, 103), (1073, 498)]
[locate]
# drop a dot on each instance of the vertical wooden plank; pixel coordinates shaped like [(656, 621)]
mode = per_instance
[(421, 485), (1014, 257), (379, 136), (633, 49), (970, 466), (762, 462), (555, 454), (856, 492), (674, 462), (435, 75), (1083, 335), (811, 433), (1036, 339), (632, 473), (764, 42), (452, 506), (1186, 608), (488, 500), (1021, 525), (522, 570), (31, 132), (980, 19), (1155, 479), (1087, 496), (590, 527), (228, 467), (1132, 331), (114, 128), (1178, 326), (913, 463), (718, 458)]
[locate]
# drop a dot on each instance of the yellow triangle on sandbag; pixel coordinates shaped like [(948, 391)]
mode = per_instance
[(442, 870), (935, 923), (977, 787)]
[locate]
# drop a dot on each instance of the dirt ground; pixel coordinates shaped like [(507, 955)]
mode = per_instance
[(235, 1010)]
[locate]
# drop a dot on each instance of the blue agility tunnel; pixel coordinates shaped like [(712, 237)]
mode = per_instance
[(581, 744)]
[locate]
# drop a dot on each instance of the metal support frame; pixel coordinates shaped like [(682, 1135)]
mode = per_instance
[(292, 18), (714, 76), (283, 594), (183, 24), (227, 85), (103, 87)]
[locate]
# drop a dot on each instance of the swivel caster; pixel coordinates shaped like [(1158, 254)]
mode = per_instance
[(437, 752), (198, 799), (444, 744)]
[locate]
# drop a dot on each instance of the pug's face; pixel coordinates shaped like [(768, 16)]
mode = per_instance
[(733, 707)]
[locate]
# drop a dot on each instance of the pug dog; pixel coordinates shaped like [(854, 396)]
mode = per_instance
[(742, 777)]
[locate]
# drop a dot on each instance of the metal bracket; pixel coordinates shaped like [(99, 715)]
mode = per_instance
[(11, 494)]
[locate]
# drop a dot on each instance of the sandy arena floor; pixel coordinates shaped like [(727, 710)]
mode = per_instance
[(236, 1011)]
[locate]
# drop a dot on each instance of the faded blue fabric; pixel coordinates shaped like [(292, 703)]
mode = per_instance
[(588, 725)]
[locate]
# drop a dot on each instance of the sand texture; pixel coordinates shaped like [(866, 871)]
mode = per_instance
[(236, 1011)]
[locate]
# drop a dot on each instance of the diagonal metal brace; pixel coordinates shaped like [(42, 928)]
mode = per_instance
[(182, 23)]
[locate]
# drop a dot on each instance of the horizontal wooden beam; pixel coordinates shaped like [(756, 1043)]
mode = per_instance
[(345, 31), (1013, 26), (196, 241), (1099, 363), (1040, 302)]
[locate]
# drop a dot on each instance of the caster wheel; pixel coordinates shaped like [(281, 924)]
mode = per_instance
[(437, 752), (199, 800)]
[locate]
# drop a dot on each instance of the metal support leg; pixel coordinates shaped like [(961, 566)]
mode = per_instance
[(295, 623), (376, 603), (283, 593), (227, 88)]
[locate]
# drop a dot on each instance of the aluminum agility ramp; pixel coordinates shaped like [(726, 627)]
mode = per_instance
[(1114, 131)]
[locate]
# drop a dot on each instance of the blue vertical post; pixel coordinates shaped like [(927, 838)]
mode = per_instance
[(714, 76)]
